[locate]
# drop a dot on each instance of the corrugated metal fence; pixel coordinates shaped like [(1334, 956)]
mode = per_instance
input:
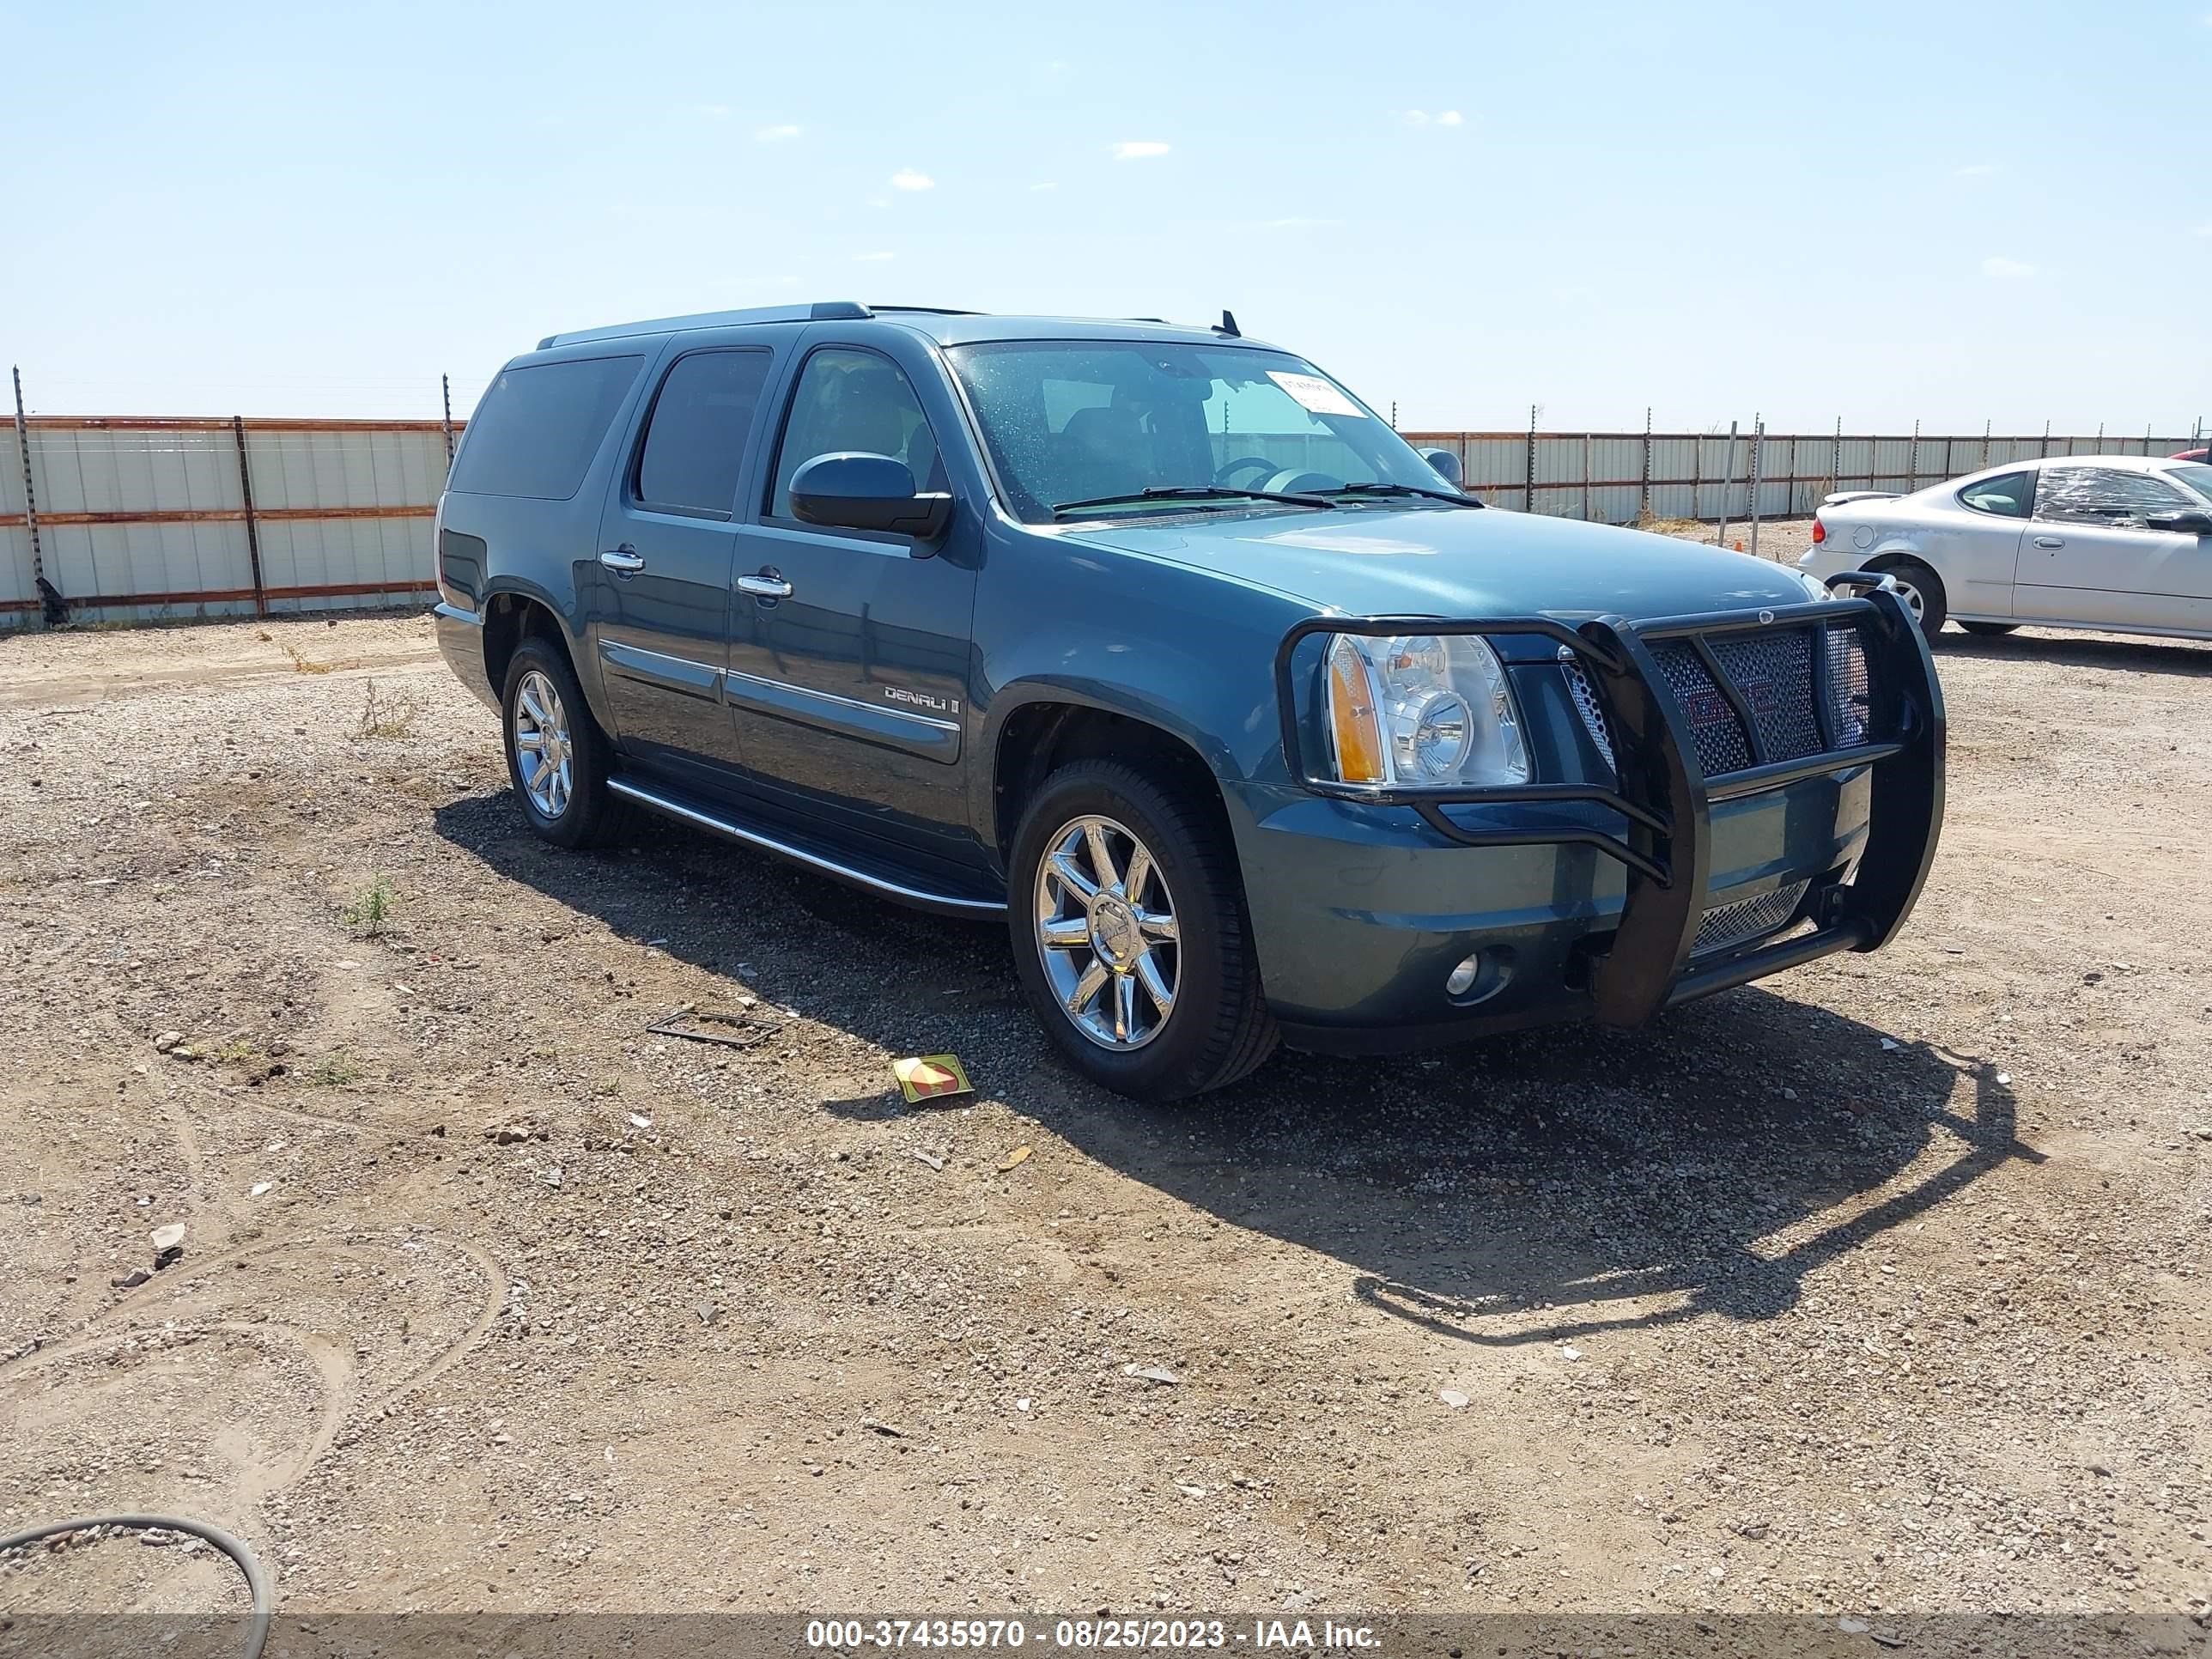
[(1618, 477), (144, 519), (141, 520)]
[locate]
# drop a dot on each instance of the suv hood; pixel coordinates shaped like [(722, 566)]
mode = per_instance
[(1449, 561)]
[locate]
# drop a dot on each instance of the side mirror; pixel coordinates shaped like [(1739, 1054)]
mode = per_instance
[(1445, 465), (855, 490), (2189, 522)]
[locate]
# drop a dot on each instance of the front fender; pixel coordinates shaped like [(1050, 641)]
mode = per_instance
[(1174, 648)]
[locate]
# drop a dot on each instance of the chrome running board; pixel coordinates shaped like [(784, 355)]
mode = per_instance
[(684, 812)]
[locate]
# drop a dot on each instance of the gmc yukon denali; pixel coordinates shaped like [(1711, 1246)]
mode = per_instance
[(1157, 643)]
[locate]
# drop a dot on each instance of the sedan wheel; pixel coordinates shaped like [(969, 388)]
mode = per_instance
[(1106, 932)]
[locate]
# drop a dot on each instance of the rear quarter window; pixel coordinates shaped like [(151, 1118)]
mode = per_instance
[(537, 429)]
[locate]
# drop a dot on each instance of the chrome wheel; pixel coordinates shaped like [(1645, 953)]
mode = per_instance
[(1106, 932), (545, 759)]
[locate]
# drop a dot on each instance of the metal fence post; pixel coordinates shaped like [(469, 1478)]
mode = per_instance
[(1758, 444), (1836, 460), (1586, 477), (1644, 501), (1529, 484), (253, 526), (1912, 462), (1985, 442), (1698, 477), (2043, 449), (31, 504), (1727, 487), (446, 386)]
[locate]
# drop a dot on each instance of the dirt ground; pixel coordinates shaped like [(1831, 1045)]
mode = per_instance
[(1879, 1287)]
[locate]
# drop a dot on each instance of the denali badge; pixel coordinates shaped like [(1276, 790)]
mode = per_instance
[(921, 700)]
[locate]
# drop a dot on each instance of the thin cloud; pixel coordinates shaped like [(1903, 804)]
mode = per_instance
[(2005, 269), (1301, 224), (1979, 170), (1451, 117), (1421, 117), (908, 178), (1137, 149), (782, 134), (1047, 185), (2205, 229), (877, 259)]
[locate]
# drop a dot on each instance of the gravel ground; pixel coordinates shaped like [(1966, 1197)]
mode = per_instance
[(1879, 1287)]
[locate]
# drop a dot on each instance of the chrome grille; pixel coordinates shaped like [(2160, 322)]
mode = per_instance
[(1772, 671), (1727, 925)]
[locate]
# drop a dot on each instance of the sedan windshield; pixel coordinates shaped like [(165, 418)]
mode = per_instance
[(1085, 428), (2195, 475)]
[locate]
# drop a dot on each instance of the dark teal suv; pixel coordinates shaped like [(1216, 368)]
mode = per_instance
[(1157, 643)]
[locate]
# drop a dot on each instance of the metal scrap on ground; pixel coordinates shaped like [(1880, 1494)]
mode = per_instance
[(739, 1023)]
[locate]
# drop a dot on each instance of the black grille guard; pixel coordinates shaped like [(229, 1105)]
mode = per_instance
[(1664, 799)]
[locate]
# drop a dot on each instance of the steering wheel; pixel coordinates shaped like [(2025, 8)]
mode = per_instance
[(1291, 480), (1226, 476)]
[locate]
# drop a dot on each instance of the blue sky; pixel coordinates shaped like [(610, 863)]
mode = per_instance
[(1947, 211)]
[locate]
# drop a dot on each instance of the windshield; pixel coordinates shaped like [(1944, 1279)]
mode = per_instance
[(1071, 422), (2195, 475)]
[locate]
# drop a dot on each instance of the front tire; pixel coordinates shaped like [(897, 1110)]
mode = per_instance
[(1130, 935), (1922, 590), (556, 755)]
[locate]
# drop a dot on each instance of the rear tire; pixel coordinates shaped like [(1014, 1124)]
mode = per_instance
[(556, 755), (1922, 590), (1166, 914), (1989, 630)]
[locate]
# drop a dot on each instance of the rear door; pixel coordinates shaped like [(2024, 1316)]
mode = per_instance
[(661, 586), (2091, 558), (851, 687)]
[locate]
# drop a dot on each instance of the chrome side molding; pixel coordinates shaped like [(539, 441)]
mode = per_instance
[(686, 813)]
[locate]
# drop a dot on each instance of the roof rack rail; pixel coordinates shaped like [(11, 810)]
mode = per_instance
[(819, 311), (928, 311)]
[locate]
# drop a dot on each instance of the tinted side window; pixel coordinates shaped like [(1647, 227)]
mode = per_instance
[(537, 429), (695, 442), (2008, 497), (854, 400), (2099, 494)]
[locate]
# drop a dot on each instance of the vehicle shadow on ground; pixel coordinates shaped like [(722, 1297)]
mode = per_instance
[(1531, 1187), (2138, 655)]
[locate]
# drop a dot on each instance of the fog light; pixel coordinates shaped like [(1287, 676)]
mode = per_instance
[(1461, 980)]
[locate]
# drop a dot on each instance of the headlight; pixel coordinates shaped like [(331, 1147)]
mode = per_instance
[(1421, 711)]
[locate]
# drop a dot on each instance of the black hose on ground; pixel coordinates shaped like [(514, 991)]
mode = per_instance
[(257, 1633)]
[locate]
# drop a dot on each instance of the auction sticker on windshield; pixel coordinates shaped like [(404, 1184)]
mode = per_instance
[(1314, 393)]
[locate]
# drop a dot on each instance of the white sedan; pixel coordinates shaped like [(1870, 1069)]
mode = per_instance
[(2121, 543)]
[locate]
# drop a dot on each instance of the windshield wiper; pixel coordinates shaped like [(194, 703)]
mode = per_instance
[(1194, 493), (1401, 489)]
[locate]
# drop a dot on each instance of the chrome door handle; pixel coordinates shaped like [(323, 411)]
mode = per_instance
[(624, 561), (2051, 541), (766, 585)]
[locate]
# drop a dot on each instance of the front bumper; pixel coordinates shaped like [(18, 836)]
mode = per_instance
[(1585, 901)]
